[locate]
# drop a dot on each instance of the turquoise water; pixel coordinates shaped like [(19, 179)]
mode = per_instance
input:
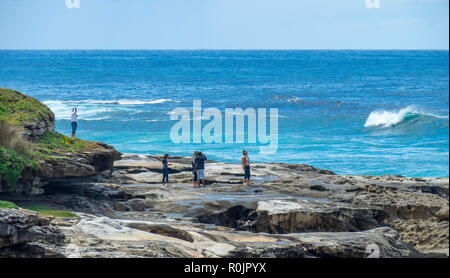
[(353, 112)]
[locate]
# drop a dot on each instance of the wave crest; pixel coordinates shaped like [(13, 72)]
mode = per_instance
[(386, 119)]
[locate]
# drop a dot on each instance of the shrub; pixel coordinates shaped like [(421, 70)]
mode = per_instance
[(12, 138), (12, 165)]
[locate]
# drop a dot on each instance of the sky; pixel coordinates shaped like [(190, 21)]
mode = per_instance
[(224, 24)]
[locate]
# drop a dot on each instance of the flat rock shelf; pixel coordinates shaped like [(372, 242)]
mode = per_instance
[(289, 211)]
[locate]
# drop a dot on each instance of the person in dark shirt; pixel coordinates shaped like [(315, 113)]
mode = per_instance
[(194, 171), (165, 170), (199, 165)]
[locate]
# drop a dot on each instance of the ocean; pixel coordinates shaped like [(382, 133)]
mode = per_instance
[(349, 111)]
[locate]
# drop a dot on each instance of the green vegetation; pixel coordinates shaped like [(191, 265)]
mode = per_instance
[(18, 109), (56, 143), (12, 164), (3, 112), (49, 212), (7, 205), (41, 210), (16, 154)]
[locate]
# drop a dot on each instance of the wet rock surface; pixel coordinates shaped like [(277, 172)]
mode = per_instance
[(288, 211)]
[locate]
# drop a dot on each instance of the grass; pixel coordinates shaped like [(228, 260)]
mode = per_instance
[(49, 212), (3, 112), (18, 109), (40, 209), (7, 205), (54, 143)]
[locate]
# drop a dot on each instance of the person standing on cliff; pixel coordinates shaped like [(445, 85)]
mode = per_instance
[(74, 120), (199, 165), (165, 170), (245, 162)]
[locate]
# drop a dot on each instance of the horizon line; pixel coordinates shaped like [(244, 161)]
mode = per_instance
[(228, 49)]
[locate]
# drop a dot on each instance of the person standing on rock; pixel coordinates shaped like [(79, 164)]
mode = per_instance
[(199, 164), (194, 171), (245, 162), (74, 120), (165, 170)]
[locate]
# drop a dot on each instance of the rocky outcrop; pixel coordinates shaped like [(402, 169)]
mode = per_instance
[(34, 131), (28, 113), (105, 237), (289, 211), (78, 165), (286, 199), (81, 164), (58, 156), (282, 217), (25, 233)]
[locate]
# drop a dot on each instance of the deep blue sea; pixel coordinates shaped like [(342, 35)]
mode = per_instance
[(352, 112)]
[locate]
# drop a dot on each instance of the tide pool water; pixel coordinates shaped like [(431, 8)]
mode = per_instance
[(352, 112)]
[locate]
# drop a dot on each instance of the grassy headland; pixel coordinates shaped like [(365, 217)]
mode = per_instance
[(18, 109), (16, 154)]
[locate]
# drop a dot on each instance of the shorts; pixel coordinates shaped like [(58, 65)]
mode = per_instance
[(201, 174), (247, 172)]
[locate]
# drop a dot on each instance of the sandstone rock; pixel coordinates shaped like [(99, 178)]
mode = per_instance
[(442, 214), (138, 204), (120, 206), (18, 228), (289, 211)]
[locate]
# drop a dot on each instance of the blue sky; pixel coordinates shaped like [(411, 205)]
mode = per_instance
[(224, 24)]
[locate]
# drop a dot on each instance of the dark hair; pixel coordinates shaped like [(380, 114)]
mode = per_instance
[(244, 151)]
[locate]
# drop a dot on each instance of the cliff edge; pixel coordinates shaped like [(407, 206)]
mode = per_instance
[(32, 153)]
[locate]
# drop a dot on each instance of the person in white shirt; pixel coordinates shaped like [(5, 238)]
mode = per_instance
[(74, 120)]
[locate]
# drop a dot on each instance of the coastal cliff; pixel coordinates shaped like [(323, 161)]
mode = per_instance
[(25, 167), (100, 203)]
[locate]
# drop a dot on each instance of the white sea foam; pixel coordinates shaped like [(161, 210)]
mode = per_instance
[(95, 109), (122, 101), (383, 118), (63, 111)]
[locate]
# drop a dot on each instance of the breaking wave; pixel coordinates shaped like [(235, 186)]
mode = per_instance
[(387, 119)]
